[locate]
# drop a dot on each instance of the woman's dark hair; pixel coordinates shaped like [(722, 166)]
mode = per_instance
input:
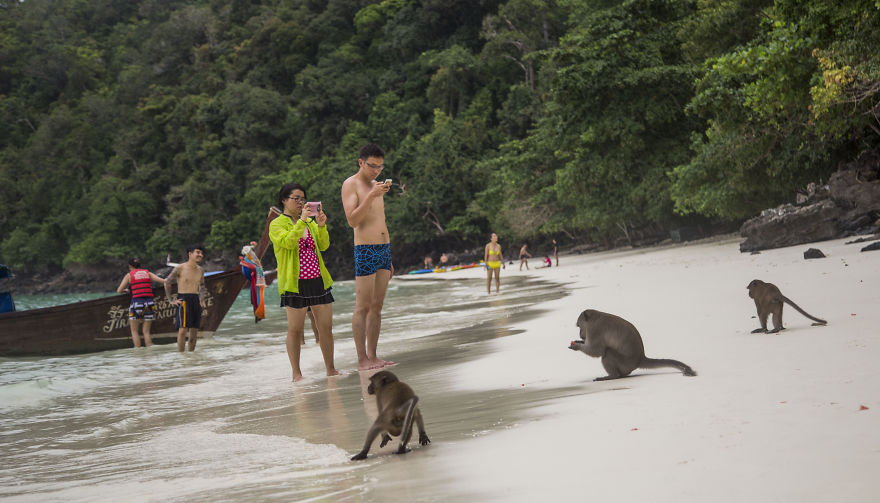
[(134, 263), (285, 191)]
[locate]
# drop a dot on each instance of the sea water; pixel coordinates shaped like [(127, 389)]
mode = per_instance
[(225, 423)]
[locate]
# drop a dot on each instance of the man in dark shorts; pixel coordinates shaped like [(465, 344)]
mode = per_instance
[(190, 301)]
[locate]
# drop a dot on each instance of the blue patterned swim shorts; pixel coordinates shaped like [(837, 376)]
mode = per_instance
[(370, 258)]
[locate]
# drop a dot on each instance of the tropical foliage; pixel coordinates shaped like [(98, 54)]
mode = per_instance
[(134, 128)]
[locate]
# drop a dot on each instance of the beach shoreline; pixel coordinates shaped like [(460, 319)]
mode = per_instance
[(512, 413)]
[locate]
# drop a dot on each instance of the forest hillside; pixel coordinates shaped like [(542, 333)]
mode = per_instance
[(136, 128)]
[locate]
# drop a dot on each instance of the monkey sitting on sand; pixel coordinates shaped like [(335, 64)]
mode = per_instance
[(619, 344), (769, 299), (397, 407)]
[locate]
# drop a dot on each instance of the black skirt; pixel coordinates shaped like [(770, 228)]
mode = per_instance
[(311, 293)]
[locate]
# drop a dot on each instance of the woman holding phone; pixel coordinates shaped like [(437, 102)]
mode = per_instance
[(299, 236)]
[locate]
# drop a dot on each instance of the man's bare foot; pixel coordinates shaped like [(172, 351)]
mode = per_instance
[(334, 372), (367, 364), (297, 377), (379, 363)]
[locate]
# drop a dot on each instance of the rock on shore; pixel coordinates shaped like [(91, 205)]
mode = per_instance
[(848, 205)]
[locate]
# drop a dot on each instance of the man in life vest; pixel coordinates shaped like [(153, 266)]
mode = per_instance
[(139, 282)]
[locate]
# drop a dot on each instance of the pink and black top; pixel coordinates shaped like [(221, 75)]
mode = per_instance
[(308, 259)]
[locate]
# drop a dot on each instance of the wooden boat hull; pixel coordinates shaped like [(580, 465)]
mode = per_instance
[(102, 324)]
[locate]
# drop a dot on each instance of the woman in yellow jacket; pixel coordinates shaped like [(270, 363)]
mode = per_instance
[(298, 236)]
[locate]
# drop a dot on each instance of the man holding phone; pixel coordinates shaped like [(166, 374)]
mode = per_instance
[(364, 204)]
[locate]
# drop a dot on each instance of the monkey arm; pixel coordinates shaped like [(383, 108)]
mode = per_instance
[(423, 435)]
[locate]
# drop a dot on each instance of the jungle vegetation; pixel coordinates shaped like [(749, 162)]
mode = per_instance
[(135, 128)]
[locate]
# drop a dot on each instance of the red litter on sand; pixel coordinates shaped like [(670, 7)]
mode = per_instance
[(863, 408)]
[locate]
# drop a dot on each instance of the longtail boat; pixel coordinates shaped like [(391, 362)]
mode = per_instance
[(102, 324)]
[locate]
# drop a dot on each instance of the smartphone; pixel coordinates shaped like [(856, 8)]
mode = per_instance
[(314, 208)]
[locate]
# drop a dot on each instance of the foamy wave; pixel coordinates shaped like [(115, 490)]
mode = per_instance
[(35, 392)]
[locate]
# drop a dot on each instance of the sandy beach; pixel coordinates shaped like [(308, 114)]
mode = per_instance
[(770, 417), (512, 413)]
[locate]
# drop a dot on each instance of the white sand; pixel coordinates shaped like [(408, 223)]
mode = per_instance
[(770, 417)]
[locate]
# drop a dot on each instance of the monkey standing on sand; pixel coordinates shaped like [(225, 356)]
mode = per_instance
[(619, 344), (397, 407), (769, 299)]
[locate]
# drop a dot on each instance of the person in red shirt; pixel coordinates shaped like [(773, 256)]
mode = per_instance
[(139, 282)]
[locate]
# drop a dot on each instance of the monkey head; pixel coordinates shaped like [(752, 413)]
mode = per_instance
[(379, 380), (755, 283), (582, 323)]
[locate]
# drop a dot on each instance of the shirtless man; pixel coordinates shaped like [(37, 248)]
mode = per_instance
[(364, 204), (190, 301)]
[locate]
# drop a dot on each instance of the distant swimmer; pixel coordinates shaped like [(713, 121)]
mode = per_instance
[(494, 263), (363, 199), (556, 252), (190, 300), (524, 256), (139, 282)]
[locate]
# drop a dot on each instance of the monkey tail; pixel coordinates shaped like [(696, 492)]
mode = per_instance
[(654, 363), (808, 315)]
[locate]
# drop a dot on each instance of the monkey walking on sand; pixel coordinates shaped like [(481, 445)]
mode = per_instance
[(619, 344), (769, 299), (397, 408)]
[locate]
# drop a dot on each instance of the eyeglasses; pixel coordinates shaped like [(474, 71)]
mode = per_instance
[(381, 166), (297, 199)]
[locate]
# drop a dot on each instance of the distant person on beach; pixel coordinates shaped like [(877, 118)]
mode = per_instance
[(547, 263), (363, 199), (524, 256), (444, 260), (299, 236), (139, 282), (429, 262), (556, 252), (191, 291), (494, 262)]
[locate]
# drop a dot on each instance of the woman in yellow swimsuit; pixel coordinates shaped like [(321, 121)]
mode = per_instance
[(494, 262)]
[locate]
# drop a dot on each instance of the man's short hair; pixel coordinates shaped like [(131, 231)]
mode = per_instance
[(192, 248), (134, 263), (371, 150)]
